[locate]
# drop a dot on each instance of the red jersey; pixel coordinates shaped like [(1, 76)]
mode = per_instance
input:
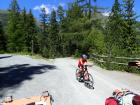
[(81, 62)]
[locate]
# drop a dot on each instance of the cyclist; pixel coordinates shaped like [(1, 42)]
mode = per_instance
[(81, 62)]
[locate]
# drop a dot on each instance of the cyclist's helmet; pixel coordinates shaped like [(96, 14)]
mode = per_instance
[(84, 56)]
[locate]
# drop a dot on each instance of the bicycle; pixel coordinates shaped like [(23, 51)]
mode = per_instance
[(85, 77)]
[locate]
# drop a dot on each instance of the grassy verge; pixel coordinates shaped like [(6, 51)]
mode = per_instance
[(34, 56)]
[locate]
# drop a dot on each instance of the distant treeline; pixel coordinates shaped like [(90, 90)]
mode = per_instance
[(82, 28)]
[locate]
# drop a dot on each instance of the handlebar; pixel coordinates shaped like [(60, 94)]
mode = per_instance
[(85, 66)]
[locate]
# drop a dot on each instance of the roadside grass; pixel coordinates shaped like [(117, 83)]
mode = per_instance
[(33, 56)]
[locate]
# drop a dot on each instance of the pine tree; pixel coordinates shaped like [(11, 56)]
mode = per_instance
[(129, 28), (60, 17), (77, 28), (114, 28), (22, 27), (12, 28), (43, 20), (60, 13), (2, 39), (43, 38), (74, 11), (87, 6), (53, 35), (31, 32)]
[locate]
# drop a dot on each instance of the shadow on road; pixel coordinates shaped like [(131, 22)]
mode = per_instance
[(5, 57), (13, 75)]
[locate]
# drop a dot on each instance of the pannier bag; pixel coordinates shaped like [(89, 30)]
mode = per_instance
[(111, 101), (126, 97), (136, 100)]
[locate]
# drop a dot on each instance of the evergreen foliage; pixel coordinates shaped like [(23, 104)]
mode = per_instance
[(53, 37), (43, 36), (13, 28), (129, 29), (114, 32), (2, 39)]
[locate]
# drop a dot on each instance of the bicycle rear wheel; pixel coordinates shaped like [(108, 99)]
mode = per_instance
[(77, 74)]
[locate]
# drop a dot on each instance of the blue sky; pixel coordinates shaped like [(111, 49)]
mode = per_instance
[(35, 5)]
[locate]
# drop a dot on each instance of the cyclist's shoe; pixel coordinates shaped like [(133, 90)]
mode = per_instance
[(86, 81), (81, 80), (78, 78)]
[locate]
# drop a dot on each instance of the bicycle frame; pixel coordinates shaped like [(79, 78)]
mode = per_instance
[(85, 76), (84, 72)]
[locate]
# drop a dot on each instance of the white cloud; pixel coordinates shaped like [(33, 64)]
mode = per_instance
[(36, 8), (62, 4), (48, 8), (106, 13)]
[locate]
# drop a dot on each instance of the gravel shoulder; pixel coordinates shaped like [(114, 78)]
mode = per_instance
[(22, 76)]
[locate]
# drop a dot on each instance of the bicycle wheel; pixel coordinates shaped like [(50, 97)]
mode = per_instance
[(90, 81), (77, 74)]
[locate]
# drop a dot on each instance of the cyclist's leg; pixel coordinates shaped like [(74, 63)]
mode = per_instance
[(80, 71), (86, 76)]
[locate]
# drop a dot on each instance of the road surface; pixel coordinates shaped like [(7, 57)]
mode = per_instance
[(23, 76)]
